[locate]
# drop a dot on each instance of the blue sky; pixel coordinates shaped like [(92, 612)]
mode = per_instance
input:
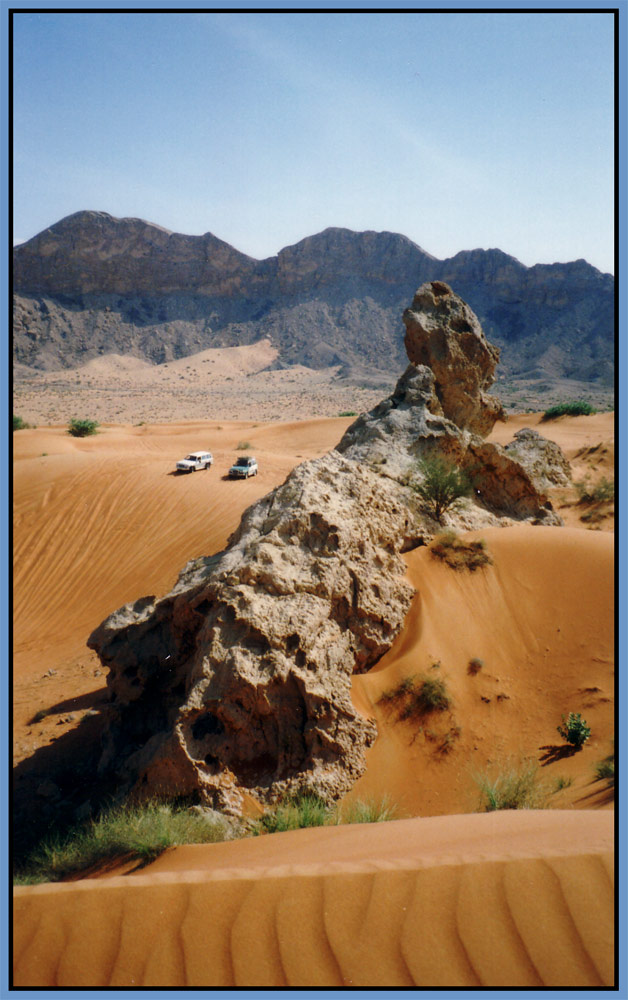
[(458, 130)]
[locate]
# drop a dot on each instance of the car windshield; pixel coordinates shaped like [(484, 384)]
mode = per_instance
[(242, 461), (190, 458)]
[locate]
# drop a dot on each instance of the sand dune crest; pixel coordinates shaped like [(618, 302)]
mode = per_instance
[(539, 912)]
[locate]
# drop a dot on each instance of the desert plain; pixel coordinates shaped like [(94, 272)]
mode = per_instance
[(443, 895)]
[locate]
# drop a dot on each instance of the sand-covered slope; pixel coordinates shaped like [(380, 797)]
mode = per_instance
[(540, 622), (508, 899)]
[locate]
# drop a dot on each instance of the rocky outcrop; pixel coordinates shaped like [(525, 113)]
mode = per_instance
[(543, 460), (444, 334), (238, 682), (92, 285)]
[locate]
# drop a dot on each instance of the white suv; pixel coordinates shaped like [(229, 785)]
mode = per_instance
[(196, 460), (244, 467)]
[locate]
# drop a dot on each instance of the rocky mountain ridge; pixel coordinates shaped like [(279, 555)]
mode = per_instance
[(92, 285)]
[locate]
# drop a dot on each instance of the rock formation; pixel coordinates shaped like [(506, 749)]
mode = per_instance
[(92, 285), (238, 682)]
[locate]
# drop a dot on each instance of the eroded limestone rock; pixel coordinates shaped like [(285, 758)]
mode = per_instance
[(443, 333), (238, 681)]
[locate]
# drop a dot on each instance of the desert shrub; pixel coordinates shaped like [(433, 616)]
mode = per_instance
[(605, 769), (19, 424), (442, 483), (516, 788), (475, 665), (601, 492), (458, 553), (577, 408), (38, 716), (574, 730), (82, 428), (243, 446), (417, 696), (139, 832), (368, 811), (348, 413)]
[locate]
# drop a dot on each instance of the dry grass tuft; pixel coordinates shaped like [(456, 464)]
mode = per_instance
[(458, 553)]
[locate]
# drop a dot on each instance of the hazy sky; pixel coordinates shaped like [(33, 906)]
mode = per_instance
[(458, 130)]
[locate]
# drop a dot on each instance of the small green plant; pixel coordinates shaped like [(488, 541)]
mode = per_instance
[(516, 788), (458, 553), (578, 408), (605, 769), (20, 425), (574, 730), (348, 413), (601, 492), (442, 483), (243, 446), (139, 832), (562, 782), (475, 665), (82, 428)]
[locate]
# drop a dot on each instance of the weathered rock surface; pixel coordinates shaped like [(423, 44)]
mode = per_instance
[(238, 681), (443, 333), (542, 459), (93, 284)]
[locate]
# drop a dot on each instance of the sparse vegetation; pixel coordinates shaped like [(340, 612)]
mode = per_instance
[(138, 832), (348, 413), (516, 788), (368, 811), (38, 716), (19, 424), (243, 446), (417, 696), (442, 483), (458, 553), (577, 408), (601, 492), (475, 665), (306, 810), (562, 782), (82, 428), (574, 730), (605, 769)]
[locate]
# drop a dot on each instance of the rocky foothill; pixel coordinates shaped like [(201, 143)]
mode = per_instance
[(237, 683)]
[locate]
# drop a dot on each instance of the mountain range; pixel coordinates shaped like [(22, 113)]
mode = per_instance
[(93, 284)]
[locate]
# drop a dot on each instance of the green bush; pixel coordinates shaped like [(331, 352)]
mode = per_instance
[(441, 485), (574, 730), (19, 424), (348, 413), (513, 789), (82, 428), (139, 832), (578, 408)]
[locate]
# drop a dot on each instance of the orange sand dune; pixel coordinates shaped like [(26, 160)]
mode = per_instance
[(503, 900), (540, 619), (484, 900)]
